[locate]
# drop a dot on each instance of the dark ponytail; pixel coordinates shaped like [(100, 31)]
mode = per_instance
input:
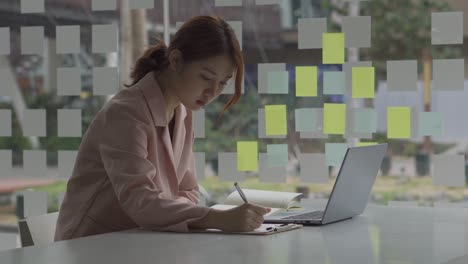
[(154, 59)]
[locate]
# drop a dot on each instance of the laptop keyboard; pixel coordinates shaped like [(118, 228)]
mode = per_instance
[(310, 215)]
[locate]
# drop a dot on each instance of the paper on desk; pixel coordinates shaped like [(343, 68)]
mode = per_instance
[(264, 229), (264, 198)]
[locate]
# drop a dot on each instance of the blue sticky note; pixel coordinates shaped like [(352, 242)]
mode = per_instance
[(430, 124), (333, 83), (365, 120), (306, 120), (277, 155), (335, 152), (278, 82)]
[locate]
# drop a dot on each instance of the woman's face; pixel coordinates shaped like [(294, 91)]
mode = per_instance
[(200, 82)]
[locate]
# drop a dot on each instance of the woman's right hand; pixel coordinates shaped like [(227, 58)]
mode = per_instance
[(243, 218)]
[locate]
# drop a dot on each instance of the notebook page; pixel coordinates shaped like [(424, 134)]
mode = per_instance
[(228, 206), (264, 198)]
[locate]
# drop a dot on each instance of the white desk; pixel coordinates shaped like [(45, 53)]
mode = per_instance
[(381, 235)]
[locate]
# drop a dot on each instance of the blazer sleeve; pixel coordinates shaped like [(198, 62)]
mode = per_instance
[(188, 187), (123, 150)]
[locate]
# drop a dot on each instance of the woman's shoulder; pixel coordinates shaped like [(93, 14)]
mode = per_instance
[(127, 104)]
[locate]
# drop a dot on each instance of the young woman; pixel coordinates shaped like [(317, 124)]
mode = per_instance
[(135, 165)]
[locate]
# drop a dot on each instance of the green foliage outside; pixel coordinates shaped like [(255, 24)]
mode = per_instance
[(386, 188)]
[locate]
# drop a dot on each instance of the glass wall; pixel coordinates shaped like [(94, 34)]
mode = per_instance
[(320, 76)]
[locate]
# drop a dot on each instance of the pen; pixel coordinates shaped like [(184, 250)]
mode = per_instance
[(241, 193), (269, 228)]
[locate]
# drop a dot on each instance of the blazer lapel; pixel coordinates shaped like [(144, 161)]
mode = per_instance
[(166, 139), (157, 105), (179, 133)]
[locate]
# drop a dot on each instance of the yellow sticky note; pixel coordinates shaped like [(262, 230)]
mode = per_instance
[(334, 118), (398, 122), (363, 82), (363, 144), (306, 81), (247, 155), (275, 120), (333, 48)]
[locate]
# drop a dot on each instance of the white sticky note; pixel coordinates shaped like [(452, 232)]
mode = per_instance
[(32, 40), (105, 38), (365, 120), (6, 162), (357, 30), (447, 28), (335, 153), (277, 155), (69, 122), (310, 31), (5, 46), (263, 69), (35, 203), (313, 168), (430, 124), (34, 122), (228, 3), (105, 81), (68, 39), (35, 163), (32, 6), (307, 119), (268, 173), (69, 81), (227, 167), (449, 170), (141, 4), (319, 132), (5, 123), (104, 5), (66, 163)]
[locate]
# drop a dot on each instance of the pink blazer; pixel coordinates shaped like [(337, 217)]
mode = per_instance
[(128, 174)]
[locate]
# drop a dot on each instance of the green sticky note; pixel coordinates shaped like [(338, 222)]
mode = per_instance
[(333, 83), (306, 81), (365, 120), (398, 122), (278, 82), (334, 153), (247, 155), (333, 48), (363, 144), (306, 120), (275, 120), (430, 124), (277, 155), (334, 119), (363, 82)]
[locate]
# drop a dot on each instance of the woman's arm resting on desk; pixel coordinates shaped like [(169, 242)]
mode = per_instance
[(246, 217), (188, 187)]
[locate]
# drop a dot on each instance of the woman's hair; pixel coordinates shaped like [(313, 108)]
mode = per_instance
[(199, 38)]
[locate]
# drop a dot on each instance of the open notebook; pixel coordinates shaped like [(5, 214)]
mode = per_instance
[(264, 229), (275, 200)]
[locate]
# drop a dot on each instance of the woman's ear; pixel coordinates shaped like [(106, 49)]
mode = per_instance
[(176, 60)]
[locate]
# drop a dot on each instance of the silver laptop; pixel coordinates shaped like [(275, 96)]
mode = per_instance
[(350, 192)]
